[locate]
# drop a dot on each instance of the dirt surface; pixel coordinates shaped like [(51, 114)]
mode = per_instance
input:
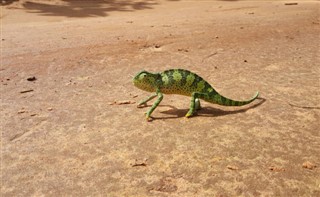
[(69, 122)]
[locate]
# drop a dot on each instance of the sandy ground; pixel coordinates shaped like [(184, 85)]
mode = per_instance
[(64, 135)]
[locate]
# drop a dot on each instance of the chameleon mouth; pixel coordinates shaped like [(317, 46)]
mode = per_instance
[(142, 86), (137, 83)]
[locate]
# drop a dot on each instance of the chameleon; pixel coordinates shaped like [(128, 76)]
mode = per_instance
[(182, 82)]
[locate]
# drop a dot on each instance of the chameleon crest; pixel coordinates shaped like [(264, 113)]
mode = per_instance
[(183, 82)]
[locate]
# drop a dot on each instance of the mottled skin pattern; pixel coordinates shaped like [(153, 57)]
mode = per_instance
[(183, 82)]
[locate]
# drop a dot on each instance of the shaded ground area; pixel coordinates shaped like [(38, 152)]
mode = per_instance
[(86, 8), (76, 8), (69, 120)]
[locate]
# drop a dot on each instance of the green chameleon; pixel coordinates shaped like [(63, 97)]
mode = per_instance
[(183, 82)]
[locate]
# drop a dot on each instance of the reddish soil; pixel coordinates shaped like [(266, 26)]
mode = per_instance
[(65, 63)]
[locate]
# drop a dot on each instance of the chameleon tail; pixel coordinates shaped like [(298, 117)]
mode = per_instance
[(221, 100)]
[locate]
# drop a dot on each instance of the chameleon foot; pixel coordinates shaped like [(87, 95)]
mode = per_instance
[(149, 119)]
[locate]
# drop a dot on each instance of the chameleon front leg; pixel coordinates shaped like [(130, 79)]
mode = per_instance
[(195, 103), (155, 104), (144, 102)]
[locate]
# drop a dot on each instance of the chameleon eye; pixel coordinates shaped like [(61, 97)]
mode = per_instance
[(142, 76)]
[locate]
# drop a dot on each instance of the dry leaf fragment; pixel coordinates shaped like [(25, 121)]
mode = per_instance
[(230, 167), (184, 50), (291, 4), (139, 163), (121, 102), (26, 91), (21, 111), (124, 102), (309, 165), (276, 169)]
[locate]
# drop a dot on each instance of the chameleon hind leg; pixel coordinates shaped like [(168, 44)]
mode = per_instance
[(195, 103), (144, 102), (155, 104)]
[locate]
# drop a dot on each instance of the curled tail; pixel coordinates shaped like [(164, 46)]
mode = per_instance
[(221, 100)]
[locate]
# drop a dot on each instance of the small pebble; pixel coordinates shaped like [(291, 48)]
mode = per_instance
[(32, 78)]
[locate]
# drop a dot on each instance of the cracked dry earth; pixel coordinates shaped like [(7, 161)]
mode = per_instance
[(69, 122)]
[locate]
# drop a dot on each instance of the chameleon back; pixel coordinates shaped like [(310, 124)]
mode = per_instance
[(184, 82)]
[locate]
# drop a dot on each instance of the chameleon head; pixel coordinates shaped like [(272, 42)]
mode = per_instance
[(145, 81)]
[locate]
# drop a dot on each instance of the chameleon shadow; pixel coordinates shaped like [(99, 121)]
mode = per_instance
[(207, 111)]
